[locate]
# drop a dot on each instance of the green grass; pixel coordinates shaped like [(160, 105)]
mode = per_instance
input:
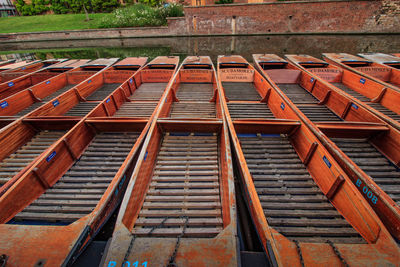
[(49, 23)]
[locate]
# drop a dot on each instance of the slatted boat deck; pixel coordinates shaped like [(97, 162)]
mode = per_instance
[(136, 109), (103, 92), (148, 92), (58, 92), (194, 101), (81, 187), (249, 110), (81, 109), (292, 202), (240, 91), (29, 109), (307, 103), (184, 189), (18, 160), (373, 163), (367, 101)]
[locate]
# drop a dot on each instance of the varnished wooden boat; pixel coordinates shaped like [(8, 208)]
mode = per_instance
[(384, 74), (306, 209), (85, 96), (26, 81), (138, 96), (27, 100), (16, 65), (6, 62), (382, 101), (179, 205), (9, 80), (22, 143), (369, 146), (396, 54)]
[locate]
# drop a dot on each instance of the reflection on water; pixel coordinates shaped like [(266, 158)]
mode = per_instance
[(213, 46)]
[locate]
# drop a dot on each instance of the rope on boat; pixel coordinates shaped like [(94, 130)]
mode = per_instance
[(299, 252), (134, 237), (171, 262), (337, 252)]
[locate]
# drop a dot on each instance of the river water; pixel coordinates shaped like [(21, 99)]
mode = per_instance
[(212, 46)]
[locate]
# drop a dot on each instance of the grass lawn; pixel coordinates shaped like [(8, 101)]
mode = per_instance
[(49, 23)]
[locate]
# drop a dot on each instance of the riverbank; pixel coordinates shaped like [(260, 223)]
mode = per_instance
[(300, 17)]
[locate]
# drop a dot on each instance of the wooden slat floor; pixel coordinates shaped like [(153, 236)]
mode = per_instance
[(373, 163), (194, 101), (185, 183), (78, 191), (148, 92), (292, 202), (18, 160), (81, 109), (307, 103), (367, 101), (102, 92)]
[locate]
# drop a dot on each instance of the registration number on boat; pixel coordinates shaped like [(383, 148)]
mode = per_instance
[(127, 264), (367, 192)]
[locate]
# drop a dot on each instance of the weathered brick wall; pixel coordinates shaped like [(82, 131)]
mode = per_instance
[(295, 17)]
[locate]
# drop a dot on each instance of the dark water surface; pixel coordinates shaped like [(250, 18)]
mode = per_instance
[(213, 46)]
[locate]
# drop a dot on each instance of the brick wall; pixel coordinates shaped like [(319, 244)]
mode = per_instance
[(295, 17)]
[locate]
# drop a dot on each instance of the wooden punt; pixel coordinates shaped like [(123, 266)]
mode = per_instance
[(84, 97), (139, 95), (179, 205), (17, 65), (6, 62), (194, 91), (23, 142), (373, 161), (383, 74), (306, 210), (27, 100), (396, 54), (8, 77), (382, 101), (51, 213)]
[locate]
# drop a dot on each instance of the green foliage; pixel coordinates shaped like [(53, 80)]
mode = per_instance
[(152, 3), (37, 7), (224, 2), (65, 6), (140, 15)]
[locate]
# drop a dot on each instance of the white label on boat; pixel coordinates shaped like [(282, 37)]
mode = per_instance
[(131, 80), (48, 82), (89, 81), (312, 80), (362, 80), (108, 100), (354, 106), (10, 84), (282, 106)]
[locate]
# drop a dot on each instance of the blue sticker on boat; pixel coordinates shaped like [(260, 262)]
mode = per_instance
[(4, 104), (48, 82), (327, 162), (108, 100), (89, 81), (51, 156), (354, 106), (10, 84), (23, 68), (131, 80), (145, 155), (282, 106), (312, 80), (56, 103), (362, 80)]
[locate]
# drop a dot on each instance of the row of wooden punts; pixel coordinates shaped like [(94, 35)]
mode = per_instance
[(313, 146)]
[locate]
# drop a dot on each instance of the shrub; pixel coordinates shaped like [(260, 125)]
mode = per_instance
[(224, 2), (140, 15)]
